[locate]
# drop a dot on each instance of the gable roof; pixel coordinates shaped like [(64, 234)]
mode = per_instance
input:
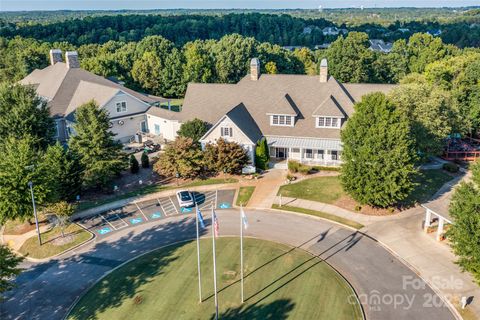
[(244, 121), (66, 89), (304, 95), (329, 107)]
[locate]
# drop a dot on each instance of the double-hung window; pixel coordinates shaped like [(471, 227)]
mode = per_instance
[(281, 120), (121, 107), (328, 122), (226, 131)]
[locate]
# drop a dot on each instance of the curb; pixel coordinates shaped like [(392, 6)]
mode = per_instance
[(75, 302), (92, 237)]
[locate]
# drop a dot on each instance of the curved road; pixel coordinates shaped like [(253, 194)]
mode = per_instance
[(387, 288)]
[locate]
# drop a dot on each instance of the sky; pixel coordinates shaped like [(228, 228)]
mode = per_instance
[(24, 5)]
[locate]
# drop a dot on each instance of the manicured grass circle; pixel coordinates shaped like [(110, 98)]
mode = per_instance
[(280, 283)]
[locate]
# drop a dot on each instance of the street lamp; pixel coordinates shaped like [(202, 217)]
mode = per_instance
[(30, 184)]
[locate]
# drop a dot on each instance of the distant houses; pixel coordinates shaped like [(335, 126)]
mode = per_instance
[(379, 45)]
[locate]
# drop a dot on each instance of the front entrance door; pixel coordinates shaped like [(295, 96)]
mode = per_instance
[(281, 153), (143, 126)]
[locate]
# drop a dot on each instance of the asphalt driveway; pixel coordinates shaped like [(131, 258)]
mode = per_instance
[(386, 287)]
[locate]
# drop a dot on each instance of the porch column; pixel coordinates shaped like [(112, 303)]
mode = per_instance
[(428, 219), (441, 222)]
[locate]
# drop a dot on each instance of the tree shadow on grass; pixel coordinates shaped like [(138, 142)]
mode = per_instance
[(46, 290), (276, 310)]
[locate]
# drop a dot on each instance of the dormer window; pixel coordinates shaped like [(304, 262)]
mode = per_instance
[(328, 122), (226, 131), (281, 120), (121, 107)]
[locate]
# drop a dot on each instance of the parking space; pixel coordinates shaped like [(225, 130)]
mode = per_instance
[(136, 213)]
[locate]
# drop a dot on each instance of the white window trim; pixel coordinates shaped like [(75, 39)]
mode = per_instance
[(120, 102), (229, 130), (292, 120), (339, 122)]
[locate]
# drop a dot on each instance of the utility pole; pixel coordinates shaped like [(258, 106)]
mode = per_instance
[(30, 184)]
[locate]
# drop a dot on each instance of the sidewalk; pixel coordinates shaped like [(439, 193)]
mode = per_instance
[(403, 234), (266, 189), (16, 241)]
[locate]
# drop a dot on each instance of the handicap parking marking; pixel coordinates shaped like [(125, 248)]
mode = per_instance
[(224, 205), (156, 215), (104, 230), (136, 220), (186, 210)]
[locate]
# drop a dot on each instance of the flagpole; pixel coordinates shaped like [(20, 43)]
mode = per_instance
[(198, 258), (241, 250), (214, 267)]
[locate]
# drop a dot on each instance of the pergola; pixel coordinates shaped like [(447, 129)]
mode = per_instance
[(438, 208)]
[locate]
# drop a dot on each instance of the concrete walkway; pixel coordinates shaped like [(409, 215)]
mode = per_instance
[(16, 241), (403, 234), (266, 189)]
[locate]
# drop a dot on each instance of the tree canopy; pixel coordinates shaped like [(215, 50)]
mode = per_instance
[(378, 153), (99, 154)]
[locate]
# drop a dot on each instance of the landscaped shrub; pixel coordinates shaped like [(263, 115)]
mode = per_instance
[(325, 168), (134, 167), (303, 169), (262, 155), (145, 161), (293, 166), (451, 167)]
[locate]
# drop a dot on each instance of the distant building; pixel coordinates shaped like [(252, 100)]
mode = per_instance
[(404, 30), (330, 31), (322, 46), (379, 45), (435, 33), (292, 48), (307, 30)]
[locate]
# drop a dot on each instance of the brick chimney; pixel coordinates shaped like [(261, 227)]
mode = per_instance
[(323, 70), (254, 69), (71, 57), (55, 56)]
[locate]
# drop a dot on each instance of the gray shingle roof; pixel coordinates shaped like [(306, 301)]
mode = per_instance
[(68, 88), (329, 107), (244, 121), (303, 93)]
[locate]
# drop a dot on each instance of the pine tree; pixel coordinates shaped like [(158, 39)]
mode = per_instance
[(378, 153), (99, 154), (134, 167), (145, 160)]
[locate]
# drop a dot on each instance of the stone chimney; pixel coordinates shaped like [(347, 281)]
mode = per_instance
[(55, 56), (323, 70), (71, 57), (254, 69)]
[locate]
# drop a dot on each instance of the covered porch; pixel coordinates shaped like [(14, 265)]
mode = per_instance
[(437, 216), (319, 152)]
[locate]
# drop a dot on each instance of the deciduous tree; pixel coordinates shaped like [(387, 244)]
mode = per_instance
[(225, 156), (181, 157), (378, 153), (9, 262), (193, 129)]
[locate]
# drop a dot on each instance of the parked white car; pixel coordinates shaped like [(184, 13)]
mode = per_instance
[(185, 199)]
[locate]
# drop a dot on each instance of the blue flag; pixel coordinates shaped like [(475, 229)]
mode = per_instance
[(200, 218)]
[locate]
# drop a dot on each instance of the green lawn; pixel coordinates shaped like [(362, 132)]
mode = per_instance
[(321, 189), (280, 283), (329, 189), (244, 195), (50, 246), (152, 189), (323, 215)]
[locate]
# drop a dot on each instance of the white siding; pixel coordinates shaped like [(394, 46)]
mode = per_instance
[(133, 105), (168, 128), (130, 126)]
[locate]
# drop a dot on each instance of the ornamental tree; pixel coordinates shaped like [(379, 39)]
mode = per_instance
[(134, 166), (181, 157), (224, 156), (378, 153), (145, 160), (261, 154)]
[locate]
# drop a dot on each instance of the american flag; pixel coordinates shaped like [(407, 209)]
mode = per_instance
[(215, 223)]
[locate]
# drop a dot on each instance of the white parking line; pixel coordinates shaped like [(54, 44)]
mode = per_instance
[(111, 225), (173, 204), (161, 207), (141, 211)]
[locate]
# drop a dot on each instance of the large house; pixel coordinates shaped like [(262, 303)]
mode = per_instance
[(300, 116), (65, 87)]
